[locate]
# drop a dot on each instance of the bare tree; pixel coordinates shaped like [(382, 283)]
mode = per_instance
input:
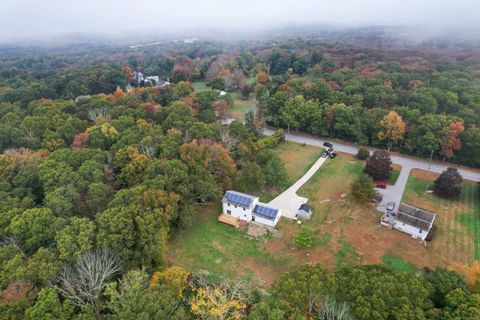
[(227, 138), (148, 150), (83, 283), (12, 241), (328, 308), (97, 114)]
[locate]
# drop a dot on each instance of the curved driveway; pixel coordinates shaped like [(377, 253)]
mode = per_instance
[(392, 193)]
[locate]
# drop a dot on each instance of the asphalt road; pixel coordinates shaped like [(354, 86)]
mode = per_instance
[(406, 162), (391, 193)]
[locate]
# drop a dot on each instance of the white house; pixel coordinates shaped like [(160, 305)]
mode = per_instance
[(248, 209), (152, 80), (415, 221)]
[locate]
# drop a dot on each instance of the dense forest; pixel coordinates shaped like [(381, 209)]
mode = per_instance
[(92, 189)]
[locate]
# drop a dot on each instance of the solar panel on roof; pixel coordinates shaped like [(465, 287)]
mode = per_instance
[(238, 198), (265, 211)]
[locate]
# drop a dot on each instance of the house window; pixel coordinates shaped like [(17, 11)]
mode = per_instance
[(243, 209), (228, 204), (229, 212), (253, 218), (420, 231), (235, 206)]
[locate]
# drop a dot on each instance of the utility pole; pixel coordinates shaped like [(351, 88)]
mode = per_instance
[(430, 162)]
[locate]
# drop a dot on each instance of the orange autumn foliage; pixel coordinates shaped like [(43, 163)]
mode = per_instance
[(262, 77), (471, 273), (118, 93), (452, 142)]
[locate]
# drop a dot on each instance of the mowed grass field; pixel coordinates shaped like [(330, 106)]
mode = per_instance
[(220, 250), (458, 221), (297, 159), (200, 86), (241, 107)]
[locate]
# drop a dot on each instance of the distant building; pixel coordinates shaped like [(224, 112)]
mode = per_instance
[(415, 221), (247, 208), (80, 98), (153, 81)]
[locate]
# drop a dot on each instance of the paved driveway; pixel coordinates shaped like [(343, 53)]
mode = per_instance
[(289, 202), (391, 193)]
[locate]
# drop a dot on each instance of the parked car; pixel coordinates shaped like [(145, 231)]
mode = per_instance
[(333, 155), (327, 145), (377, 198), (380, 184), (325, 154), (390, 206)]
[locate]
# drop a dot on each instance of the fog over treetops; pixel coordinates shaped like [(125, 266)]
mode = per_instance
[(36, 20)]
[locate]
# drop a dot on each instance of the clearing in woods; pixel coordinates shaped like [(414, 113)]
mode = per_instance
[(346, 232)]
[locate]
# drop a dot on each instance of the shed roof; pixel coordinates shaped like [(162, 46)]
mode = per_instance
[(305, 207)]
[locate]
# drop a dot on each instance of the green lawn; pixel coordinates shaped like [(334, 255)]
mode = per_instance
[(298, 158), (200, 86), (399, 264), (393, 177), (346, 255), (218, 249), (241, 107)]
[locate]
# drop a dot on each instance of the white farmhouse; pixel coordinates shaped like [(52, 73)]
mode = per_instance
[(240, 206), (415, 221)]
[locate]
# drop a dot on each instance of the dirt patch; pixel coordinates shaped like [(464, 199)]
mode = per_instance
[(256, 231), (424, 175), (265, 274), (396, 166)]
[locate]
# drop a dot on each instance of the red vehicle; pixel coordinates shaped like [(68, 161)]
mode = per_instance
[(380, 184)]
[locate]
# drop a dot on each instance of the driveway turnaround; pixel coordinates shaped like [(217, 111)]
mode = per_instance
[(390, 194), (289, 202)]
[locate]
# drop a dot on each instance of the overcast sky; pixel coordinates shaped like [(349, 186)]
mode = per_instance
[(39, 18)]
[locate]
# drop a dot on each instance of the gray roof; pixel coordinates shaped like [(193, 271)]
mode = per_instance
[(305, 207), (265, 211), (238, 198), (414, 216)]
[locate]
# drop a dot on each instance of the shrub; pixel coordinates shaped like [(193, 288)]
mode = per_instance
[(305, 238), (379, 166), (363, 154), (363, 189), (448, 184)]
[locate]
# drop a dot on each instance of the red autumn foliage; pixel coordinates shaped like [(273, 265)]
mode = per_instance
[(79, 141), (452, 142), (150, 107)]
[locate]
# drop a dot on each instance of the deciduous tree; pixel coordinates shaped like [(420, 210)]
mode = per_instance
[(393, 129), (379, 165), (452, 141), (448, 184)]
